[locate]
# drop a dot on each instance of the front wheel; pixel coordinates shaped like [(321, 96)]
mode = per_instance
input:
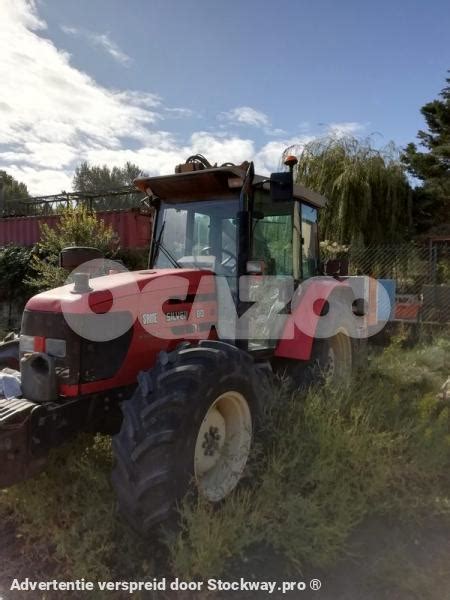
[(189, 424)]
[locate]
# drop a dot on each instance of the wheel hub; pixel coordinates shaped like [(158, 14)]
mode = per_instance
[(211, 445), (222, 447), (212, 436), (330, 365)]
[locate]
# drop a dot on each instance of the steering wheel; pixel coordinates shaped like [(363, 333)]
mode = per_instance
[(226, 260)]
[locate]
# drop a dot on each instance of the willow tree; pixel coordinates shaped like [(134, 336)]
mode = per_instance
[(368, 192)]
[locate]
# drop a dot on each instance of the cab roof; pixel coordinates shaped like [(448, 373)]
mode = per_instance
[(203, 184)]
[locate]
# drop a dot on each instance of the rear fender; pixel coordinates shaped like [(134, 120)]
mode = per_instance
[(307, 308), (9, 355)]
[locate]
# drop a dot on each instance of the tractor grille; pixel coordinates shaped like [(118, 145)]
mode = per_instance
[(85, 360), (101, 360), (53, 325)]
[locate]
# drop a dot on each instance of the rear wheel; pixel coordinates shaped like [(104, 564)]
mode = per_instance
[(333, 361), (189, 425), (333, 358)]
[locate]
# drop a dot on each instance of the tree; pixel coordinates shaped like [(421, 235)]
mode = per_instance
[(12, 191), (15, 268), (76, 227), (432, 165), (96, 178), (367, 189)]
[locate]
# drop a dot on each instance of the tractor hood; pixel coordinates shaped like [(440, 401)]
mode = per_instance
[(100, 338), (127, 291)]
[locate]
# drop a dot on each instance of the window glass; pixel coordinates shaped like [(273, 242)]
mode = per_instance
[(200, 236), (273, 235), (193, 232), (309, 243)]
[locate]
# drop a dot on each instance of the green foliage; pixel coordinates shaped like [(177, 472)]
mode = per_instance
[(13, 189), (333, 250), (96, 178), (367, 190), (15, 269), (209, 538), (72, 508), (432, 165), (133, 259), (326, 462), (77, 227)]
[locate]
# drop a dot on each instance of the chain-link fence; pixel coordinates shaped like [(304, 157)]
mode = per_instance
[(421, 273)]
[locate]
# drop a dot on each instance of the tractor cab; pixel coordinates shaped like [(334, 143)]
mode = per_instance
[(237, 225), (233, 222)]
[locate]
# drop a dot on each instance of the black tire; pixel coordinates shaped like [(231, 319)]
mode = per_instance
[(333, 360), (154, 450)]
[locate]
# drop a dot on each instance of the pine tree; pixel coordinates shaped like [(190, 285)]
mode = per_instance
[(432, 164)]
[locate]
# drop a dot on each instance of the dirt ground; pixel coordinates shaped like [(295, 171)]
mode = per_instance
[(385, 561)]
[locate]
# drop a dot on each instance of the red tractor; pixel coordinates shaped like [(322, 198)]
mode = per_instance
[(154, 359)]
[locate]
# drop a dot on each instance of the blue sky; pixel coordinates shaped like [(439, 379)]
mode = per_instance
[(151, 81)]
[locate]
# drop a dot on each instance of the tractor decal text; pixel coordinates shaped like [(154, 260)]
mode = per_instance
[(180, 315)]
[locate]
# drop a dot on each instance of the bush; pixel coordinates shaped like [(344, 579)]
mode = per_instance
[(15, 269), (77, 227), (327, 461)]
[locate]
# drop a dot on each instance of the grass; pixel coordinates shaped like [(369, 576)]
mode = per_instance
[(321, 465), (69, 513), (329, 460)]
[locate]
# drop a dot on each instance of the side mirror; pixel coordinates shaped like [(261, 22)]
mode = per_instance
[(281, 186)]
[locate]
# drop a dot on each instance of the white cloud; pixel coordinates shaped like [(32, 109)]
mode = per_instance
[(220, 150), (345, 128), (101, 40), (246, 115), (42, 181), (179, 113), (269, 157), (54, 116), (70, 30)]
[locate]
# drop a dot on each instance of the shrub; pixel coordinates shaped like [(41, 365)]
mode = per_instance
[(77, 227), (15, 268), (327, 461)]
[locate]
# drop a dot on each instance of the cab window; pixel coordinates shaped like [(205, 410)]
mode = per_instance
[(310, 251), (275, 236)]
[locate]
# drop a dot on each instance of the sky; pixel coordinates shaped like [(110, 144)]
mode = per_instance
[(154, 81)]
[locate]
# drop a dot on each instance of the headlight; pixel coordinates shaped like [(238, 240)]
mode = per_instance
[(53, 347), (26, 343)]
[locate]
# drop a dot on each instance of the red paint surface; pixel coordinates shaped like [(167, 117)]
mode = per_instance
[(132, 226), (407, 311), (140, 293), (294, 342)]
